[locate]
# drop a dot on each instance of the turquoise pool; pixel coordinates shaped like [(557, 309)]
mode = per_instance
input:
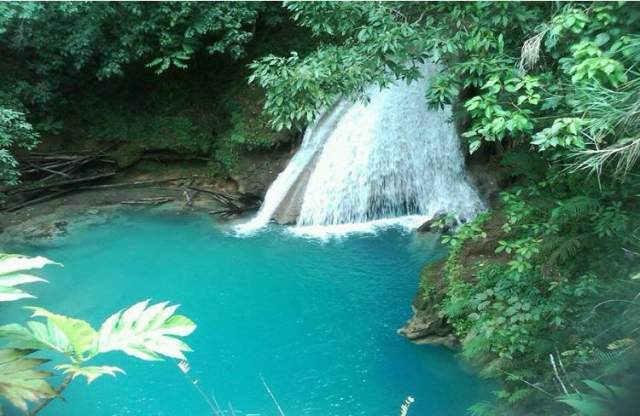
[(316, 319)]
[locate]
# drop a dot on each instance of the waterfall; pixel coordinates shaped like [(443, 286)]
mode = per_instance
[(388, 160)]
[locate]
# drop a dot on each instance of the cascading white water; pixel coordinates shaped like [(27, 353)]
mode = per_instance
[(389, 158), (312, 142)]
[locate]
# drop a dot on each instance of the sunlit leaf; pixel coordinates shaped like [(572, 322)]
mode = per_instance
[(12, 263), (81, 336), (90, 372), (146, 332), (10, 267)]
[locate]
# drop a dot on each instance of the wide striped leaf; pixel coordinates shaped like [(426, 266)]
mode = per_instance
[(21, 381), (36, 335), (80, 335), (146, 332)]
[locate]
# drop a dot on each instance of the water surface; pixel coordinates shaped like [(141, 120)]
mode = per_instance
[(316, 319)]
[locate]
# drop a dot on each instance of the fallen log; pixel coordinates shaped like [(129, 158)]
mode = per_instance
[(148, 201), (38, 200), (47, 169), (234, 204), (132, 184), (39, 187), (163, 157), (189, 196)]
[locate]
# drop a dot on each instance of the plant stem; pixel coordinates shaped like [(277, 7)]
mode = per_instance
[(272, 396), (58, 391), (215, 409)]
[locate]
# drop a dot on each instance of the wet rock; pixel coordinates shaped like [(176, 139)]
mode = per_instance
[(255, 173), (290, 206), (426, 327), (430, 225)]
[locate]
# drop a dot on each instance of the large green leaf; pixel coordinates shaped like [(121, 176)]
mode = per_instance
[(80, 335), (146, 332), (11, 267), (90, 372), (20, 379), (36, 335)]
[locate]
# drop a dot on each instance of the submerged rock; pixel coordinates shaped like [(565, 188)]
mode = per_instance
[(45, 230)]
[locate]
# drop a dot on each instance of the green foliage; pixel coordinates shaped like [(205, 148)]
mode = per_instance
[(599, 401), (116, 71), (15, 133), (534, 297), (69, 37), (470, 231), (371, 46), (147, 332)]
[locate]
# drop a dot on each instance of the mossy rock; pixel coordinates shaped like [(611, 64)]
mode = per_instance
[(432, 285), (127, 155)]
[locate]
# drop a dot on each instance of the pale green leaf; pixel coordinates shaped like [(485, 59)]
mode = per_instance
[(14, 279), (8, 294), (90, 372), (146, 332), (12, 263), (474, 145), (82, 337), (10, 276)]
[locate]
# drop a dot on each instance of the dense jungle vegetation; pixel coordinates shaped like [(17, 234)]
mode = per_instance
[(542, 290)]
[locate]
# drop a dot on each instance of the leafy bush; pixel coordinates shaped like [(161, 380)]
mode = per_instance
[(15, 133)]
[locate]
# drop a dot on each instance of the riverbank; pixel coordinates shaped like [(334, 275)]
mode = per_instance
[(152, 187)]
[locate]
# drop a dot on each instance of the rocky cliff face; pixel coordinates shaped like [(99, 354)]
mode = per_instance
[(289, 209), (427, 326)]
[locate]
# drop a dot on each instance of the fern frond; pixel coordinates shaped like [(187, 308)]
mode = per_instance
[(567, 248), (578, 207), (483, 409)]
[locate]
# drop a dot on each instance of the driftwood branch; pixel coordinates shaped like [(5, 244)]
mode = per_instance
[(133, 184), (44, 186), (148, 201), (47, 169), (233, 204), (38, 200)]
